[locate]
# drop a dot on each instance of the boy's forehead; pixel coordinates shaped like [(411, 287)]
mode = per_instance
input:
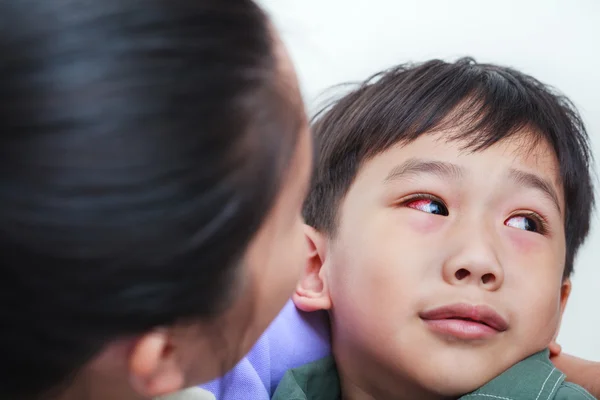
[(523, 150)]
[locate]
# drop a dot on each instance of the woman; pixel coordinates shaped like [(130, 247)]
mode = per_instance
[(154, 159)]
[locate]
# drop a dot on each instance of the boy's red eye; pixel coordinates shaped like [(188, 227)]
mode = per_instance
[(523, 222), (430, 206)]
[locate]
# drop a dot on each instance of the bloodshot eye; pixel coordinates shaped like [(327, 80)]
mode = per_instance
[(523, 222), (429, 205)]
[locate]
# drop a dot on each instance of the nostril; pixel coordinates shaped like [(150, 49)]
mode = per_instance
[(461, 274), (488, 278)]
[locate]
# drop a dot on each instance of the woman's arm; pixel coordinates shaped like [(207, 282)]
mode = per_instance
[(581, 372)]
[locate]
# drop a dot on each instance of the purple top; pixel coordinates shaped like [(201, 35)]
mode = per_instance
[(293, 339)]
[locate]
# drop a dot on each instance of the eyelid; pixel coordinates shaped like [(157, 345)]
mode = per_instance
[(419, 196)]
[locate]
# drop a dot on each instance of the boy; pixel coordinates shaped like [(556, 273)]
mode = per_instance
[(449, 202)]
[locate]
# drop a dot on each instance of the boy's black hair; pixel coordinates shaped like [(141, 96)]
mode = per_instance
[(487, 102)]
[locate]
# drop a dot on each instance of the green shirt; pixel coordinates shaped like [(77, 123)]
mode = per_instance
[(534, 378)]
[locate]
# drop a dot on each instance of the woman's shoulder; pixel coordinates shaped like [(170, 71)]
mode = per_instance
[(293, 339)]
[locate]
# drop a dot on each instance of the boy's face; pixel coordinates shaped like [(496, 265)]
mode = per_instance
[(429, 237)]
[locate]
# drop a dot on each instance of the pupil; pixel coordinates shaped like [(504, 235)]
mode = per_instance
[(530, 225), (436, 208)]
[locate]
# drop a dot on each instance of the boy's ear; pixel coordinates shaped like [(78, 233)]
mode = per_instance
[(312, 293), (565, 292)]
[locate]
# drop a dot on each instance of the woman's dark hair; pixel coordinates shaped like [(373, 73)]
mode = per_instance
[(142, 144), (489, 103)]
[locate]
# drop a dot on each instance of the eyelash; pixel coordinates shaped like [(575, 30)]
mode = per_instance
[(539, 220), (420, 196)]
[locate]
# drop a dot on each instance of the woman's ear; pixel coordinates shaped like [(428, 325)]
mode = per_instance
[(312, 293), (153, 366)]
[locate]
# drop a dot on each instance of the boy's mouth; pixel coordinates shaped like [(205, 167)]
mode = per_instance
[(464, 321)]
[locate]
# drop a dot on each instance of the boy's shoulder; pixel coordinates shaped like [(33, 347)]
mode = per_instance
[(534, 378), (316, 380)]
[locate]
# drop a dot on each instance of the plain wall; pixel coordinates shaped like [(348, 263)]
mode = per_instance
[(558, 42)]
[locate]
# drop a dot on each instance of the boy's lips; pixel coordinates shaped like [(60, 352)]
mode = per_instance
[(465, 321)]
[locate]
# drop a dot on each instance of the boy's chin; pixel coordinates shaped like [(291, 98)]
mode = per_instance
[(461, 374), (455, 383)]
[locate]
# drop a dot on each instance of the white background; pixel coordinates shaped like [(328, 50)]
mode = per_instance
[(558, 42)]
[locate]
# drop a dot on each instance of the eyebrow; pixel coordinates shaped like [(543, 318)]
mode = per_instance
[(415, 166), (535, 182), (445, 170)]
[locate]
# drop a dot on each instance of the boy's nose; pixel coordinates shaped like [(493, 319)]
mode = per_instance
[(475, 263), (490, 280)]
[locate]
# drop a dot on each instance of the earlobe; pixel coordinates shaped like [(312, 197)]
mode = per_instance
[(153, 367), (311, 291)]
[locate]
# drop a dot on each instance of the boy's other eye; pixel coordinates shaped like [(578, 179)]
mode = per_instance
[(527, 223), (428, 204)]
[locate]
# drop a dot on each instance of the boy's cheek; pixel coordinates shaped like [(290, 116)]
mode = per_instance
[(525, 242), (534, 255), (421, 223), (538, 322)]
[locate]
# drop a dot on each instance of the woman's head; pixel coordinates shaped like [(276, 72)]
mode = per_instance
[(153, 160)]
